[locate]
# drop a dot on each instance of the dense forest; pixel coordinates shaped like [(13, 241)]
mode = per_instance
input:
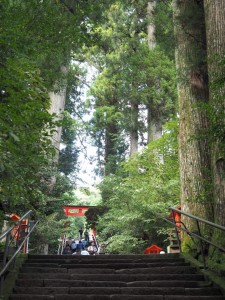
[(153, 108)]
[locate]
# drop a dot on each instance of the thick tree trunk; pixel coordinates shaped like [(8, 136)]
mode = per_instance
[(154, 126), (111, 148), (134, 128), (215, 31), (153, 119), (194, 154), (57, 107), (151, 25)]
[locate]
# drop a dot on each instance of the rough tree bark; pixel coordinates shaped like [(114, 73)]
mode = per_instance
[(154, 125), (151, 26), (57, 107), (153, 119), (134, 112), (194, 154), (215, 31)]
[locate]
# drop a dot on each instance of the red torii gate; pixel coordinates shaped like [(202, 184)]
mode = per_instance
[(75, 211)]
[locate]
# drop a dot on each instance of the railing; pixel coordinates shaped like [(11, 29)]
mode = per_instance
[(195, 234), (95, 241), (17, 235)]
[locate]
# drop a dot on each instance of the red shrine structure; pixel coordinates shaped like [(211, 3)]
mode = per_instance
[(75, 211), (153, 249)]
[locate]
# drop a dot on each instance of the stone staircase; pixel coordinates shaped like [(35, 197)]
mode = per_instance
[(116, 277)]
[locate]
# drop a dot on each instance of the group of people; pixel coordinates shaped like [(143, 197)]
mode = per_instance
[(80, 245)]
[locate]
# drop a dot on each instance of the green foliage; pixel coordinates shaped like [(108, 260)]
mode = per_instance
[(87, 196), (81, 196), (215, 108), (62, 185), (137, 199), (125, 244), (74, 224), (93, 214), (164, 27), (128, 72), (68, 160), (73, 124), (26, 127), (68, 156), (37, 39), (149, 82), (47, 232)]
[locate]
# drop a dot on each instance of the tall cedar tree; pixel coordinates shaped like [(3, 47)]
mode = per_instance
[(194, 154), (215, 31)]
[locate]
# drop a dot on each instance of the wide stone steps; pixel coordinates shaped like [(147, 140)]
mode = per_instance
[(112, 277), (105, 283), (105, 277)]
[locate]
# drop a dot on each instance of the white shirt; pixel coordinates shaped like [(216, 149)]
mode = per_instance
[(92, 249)]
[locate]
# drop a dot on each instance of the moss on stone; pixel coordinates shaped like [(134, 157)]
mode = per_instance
[(211, 272), (11, 277)]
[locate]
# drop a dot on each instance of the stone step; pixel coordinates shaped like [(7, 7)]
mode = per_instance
[(85, 283), (189, 297), (37, 297), (117, 290), (104, 270), (108, 256), (137, 277), (112, 277), (156, 270), (98, 259), (65, 270), (112, 297), (44, 276), (114, 265)]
